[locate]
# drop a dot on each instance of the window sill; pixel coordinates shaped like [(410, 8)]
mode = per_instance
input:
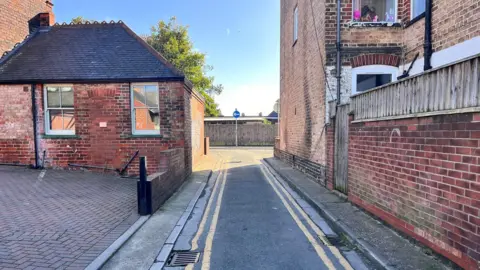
[(354, 24), (59, 136), (414, 20), (143, 136)]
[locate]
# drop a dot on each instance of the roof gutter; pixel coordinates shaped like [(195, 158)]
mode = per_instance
[(83, 81)]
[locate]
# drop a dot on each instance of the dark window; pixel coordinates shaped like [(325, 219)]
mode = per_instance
[(369, 81)]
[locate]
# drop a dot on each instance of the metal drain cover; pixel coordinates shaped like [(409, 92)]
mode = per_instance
[(183, 258)]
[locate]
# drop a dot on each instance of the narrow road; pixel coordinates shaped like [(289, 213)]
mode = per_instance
[(252, 222)]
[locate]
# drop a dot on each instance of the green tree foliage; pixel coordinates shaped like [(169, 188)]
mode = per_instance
[(173, 42), (80, 19)]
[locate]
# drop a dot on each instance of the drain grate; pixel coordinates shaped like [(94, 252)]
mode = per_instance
[(183, 258)]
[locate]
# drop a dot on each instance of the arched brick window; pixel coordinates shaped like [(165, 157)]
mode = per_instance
[(375, 59)]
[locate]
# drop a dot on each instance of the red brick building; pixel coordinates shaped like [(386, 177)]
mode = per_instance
[(94, 94), (424, 183), (373, 53)]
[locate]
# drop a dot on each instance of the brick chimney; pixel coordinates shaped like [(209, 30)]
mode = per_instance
[(41, 20)]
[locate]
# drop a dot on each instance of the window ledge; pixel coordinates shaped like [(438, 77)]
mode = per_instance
[(59, 136), (414, 20), (142, 136), (354, 24)]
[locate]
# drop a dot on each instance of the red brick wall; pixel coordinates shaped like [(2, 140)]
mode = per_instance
[(198, 130), (422, 175), (302, 94), (16, 125), (113, 145), (14, 17)]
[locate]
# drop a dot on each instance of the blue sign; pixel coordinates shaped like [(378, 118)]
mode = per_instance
[(236, 113)]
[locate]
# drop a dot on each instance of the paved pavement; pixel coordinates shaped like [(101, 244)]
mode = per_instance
[(61, 219), (252, 222)]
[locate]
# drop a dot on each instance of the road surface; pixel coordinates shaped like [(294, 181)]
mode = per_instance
[(252, 222)]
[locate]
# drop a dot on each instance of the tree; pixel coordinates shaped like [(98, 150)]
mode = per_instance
[(80, 20), (172, 41)]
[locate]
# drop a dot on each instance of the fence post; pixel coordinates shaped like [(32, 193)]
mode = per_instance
[(142, 188)]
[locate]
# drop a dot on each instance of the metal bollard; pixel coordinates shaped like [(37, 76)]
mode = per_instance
[(142, 188)]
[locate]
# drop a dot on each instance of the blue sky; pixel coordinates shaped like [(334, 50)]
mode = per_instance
[(240, 37)]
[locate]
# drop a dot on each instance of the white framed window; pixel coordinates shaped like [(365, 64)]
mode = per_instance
[(295, 24), (417, 8), (59, 109), (367, 77), (145, 109), (371, 11)]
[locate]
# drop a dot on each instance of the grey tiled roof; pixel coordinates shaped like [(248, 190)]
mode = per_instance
[(87, 52)]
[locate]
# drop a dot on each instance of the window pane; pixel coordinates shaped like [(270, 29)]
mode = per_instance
[(369, 81), (374, 10), (53, 97), (146, 120), (418, 7), (139, 97), (151, 94), (68, 120), (56, 120), (67, 97)]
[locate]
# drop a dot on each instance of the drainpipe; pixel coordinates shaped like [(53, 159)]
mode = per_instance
[(34, 118), (339, 57), (428, 35)]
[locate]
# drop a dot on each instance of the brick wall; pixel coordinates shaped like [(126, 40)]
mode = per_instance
[(453, 22), (198, 130), (14, 17), (302, 83), (173, 173), (110, 146), (422, 176), (16, 125)]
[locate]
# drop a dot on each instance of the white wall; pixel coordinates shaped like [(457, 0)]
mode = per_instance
[(451, 54)]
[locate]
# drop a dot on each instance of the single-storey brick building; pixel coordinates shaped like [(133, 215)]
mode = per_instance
[(94, 94)]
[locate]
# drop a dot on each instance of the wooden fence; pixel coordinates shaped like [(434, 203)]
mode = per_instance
[(454, 88), (248, 134)]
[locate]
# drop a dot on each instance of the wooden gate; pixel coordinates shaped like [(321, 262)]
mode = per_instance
[(341, 148)]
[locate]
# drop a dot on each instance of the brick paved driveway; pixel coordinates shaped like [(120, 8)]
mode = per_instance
[(63, 220)]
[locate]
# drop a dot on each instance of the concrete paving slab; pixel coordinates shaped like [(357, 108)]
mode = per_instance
[(142, 249)]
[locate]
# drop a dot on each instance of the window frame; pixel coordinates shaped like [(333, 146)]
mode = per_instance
[(372, 69), (49, 131), (381, 22), (132, 109), (411, 10), (295, 24)]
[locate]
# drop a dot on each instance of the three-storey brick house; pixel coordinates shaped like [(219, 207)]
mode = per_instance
[(379, 40)]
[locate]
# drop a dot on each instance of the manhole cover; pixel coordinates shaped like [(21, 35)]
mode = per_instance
[(183, 258)]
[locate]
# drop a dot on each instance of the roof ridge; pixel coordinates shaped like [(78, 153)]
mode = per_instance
[(9, 53), (112, 22), (158, 55)]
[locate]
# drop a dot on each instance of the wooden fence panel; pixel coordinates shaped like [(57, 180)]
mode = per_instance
[(248, 134)]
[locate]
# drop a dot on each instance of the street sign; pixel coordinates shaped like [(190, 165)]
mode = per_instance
[(236, 113)]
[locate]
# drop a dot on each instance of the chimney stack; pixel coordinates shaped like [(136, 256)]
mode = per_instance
[(43, 19)]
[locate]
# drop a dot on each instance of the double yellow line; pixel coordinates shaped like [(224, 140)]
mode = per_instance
[(207, 252), (281, 191)]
